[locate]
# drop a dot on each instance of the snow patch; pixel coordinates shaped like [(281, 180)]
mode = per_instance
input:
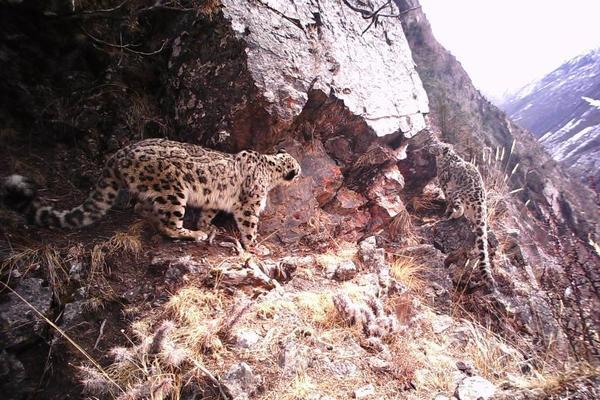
[(592, 102)]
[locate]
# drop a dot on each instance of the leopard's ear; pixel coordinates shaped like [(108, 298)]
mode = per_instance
[(281, 151)]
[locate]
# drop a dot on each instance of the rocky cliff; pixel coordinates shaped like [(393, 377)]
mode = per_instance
[(362, 289), (562, 110)]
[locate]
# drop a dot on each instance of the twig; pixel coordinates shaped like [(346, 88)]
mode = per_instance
[(125, 46), (374, 15), (210, 376), (100, 333)]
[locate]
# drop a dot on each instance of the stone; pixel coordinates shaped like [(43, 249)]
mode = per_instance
[(436, 275), (346, 369), (290, 208), (370, 254), (293, 357), (72, 314), (12, 377), (466, 367), (441, 323), (347, 201), (384, 193), (246, 339), (475, 388), (379, 365), (20, 324), (453, 235), (346, 270), (240, 381), (364, 392)]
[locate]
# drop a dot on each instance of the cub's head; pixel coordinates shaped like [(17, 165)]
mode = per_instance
[(287, 168), (17, 192), (439, 149)]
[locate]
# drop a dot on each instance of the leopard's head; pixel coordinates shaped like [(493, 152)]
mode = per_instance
[(287, 167)]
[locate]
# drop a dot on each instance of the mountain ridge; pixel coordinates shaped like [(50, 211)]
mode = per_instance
[(562, 111)]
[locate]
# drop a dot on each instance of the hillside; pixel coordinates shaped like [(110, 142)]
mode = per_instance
[(358, 286), (563, 112)]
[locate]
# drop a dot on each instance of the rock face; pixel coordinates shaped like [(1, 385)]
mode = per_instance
[(563, 110), (319, 45), (20, 324)]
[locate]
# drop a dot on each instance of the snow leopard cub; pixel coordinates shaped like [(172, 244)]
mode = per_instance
[(465, 193)]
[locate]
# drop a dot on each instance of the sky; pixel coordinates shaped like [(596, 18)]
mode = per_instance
[(505, 44)]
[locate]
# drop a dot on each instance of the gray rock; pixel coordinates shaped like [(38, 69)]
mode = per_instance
[(369, 253), (344, 369), (20, 324), (246, 339), (346, 270), (466, 367), (72, 314), (240, 381), (364, 392), (293, 357), (453, 235), (475, 388), (379, 365), (441, 323), (12, 377)]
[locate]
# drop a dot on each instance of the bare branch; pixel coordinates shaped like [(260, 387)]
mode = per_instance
[(127, 47)]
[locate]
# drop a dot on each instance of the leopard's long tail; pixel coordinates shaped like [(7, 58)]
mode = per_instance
[(19, 193), (482, 245)]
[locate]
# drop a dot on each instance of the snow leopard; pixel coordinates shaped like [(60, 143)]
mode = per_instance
[(465, 193), (165, 177)]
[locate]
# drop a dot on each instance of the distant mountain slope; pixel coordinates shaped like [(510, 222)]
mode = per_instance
[(563, 111)]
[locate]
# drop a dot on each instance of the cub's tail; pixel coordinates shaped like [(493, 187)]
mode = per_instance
[(484, 255), (20, 194)]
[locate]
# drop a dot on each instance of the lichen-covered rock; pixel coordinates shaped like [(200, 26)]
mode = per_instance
[(20, 324), (245, 339), (241, 382), (475, 388)]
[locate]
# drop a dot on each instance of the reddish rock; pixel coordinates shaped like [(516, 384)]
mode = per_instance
[(384, 195)]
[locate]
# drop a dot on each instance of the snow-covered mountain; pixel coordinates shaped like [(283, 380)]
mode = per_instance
[(563, 110)]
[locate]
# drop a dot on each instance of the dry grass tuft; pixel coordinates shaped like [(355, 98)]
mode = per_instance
[(44, 257), (166, 357), (402, 227), (426, 201), (409, 272), (128, 243), (341, 252), (317, 309), (556, 380)]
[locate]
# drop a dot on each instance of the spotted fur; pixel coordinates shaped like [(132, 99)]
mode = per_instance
[(465, 193), (166, 176)]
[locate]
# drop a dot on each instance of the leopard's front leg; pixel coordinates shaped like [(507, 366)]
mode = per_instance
[(246, 218)]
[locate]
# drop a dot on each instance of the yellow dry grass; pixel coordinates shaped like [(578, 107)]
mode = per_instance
[(409, 272), (45, 257), (341, 252)]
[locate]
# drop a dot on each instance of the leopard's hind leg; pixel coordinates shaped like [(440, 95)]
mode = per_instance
[(169, 211)]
